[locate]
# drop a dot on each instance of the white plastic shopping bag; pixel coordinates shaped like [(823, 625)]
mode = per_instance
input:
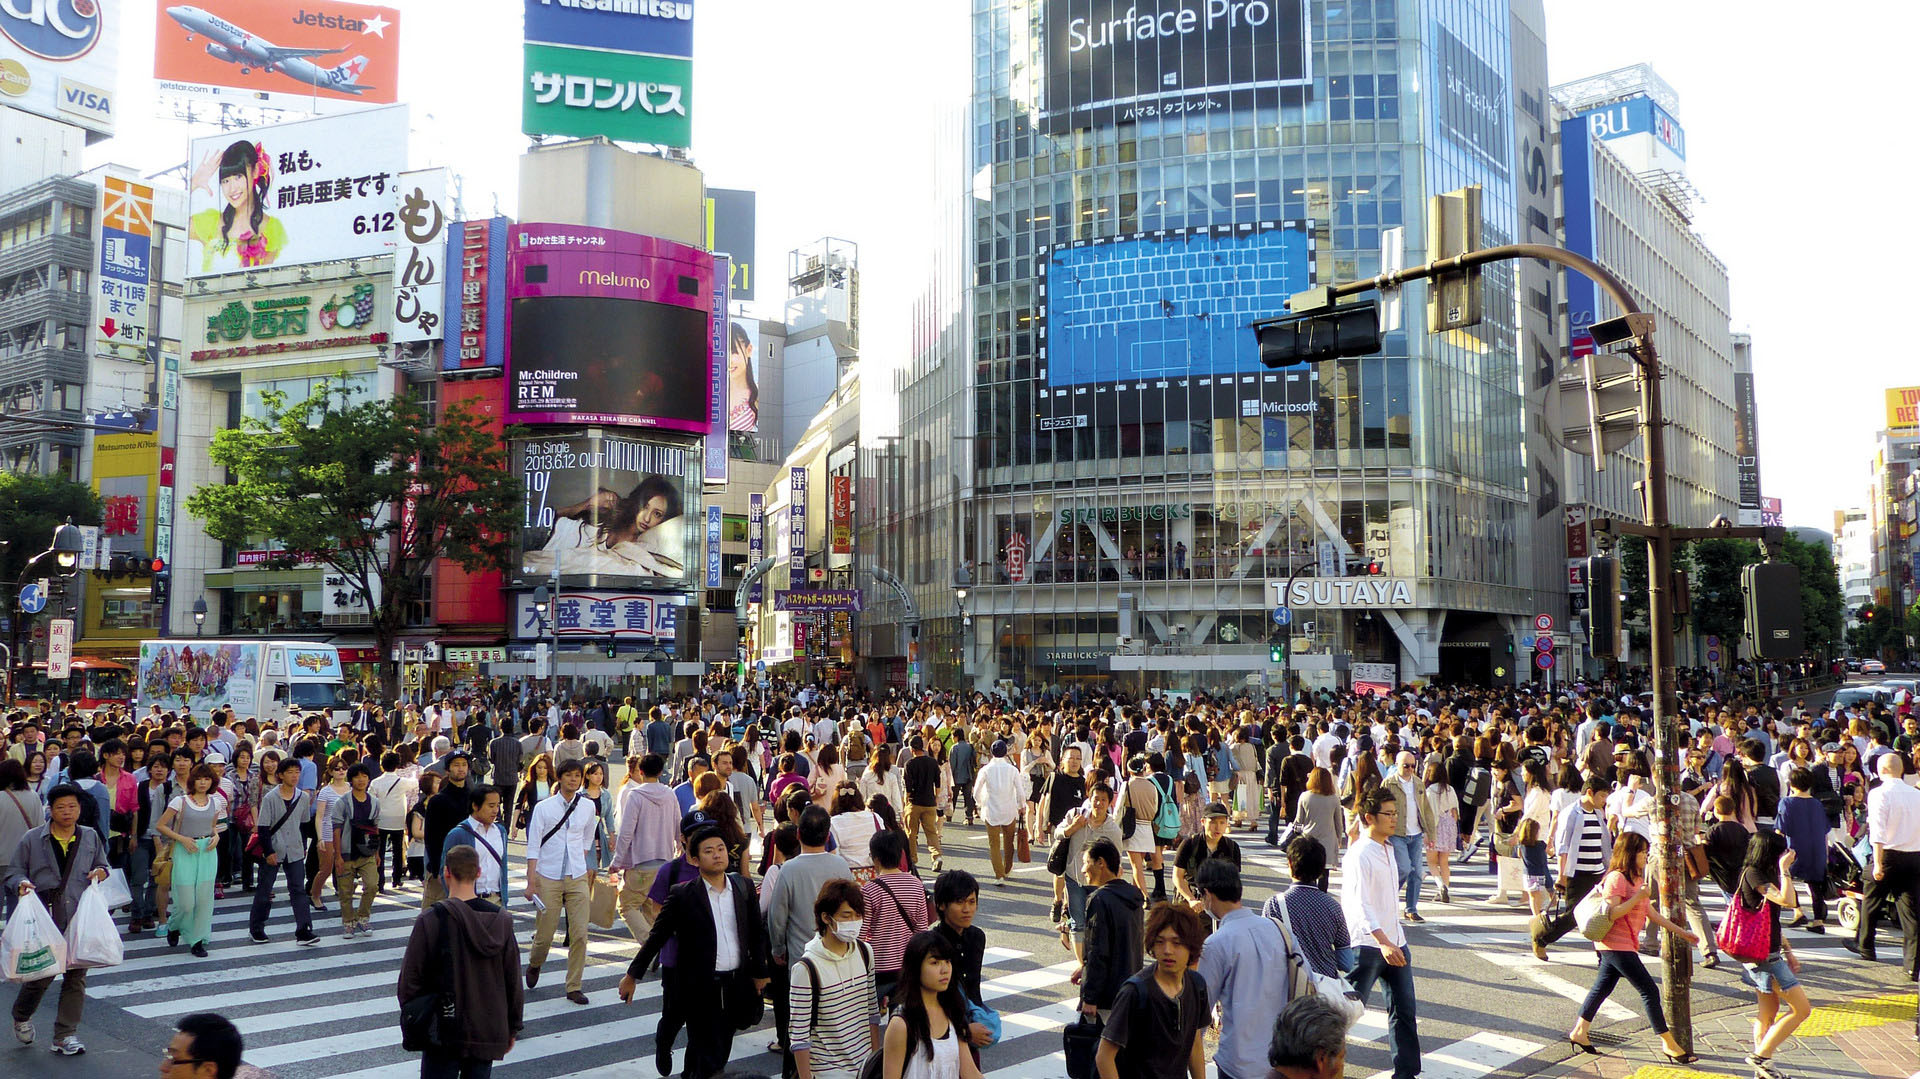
[(92, 938), (32, 947), (114, 890)]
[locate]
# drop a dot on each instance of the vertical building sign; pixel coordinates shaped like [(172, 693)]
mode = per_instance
[(713, 545), (126, 262), (1576, 192), (841, 507), (475, 336), (797, 520), (1746, 447), (717, 334), (756, 538), (420, 257)]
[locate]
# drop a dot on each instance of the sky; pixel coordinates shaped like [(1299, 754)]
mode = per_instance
[(827, 109)]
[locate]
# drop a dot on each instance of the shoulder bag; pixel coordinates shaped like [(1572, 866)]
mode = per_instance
[(1303, 979), (1591, 913), (259, 846), (431, 1020), (1746, 935)]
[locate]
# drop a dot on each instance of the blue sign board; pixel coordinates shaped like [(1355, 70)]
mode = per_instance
[(33, 598), (654, 27), (1638, 116), (1283, 616), (713, 545), (1576, 194)]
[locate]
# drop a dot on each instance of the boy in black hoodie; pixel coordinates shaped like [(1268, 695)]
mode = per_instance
[(486, 971), (1114, 925)]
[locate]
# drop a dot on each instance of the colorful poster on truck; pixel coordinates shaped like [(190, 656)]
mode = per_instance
[(200, 676)]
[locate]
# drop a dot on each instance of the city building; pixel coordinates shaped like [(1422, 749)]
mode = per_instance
[(1133, 493), (1626, 203), (1853, 555)]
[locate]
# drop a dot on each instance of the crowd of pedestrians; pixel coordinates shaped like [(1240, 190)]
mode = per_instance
[(771, 850)]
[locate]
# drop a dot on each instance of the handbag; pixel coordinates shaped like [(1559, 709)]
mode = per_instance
[(431, 1019), (1696, 861), (1057, 858), (1022, 843), (1081, 1042), (259, 846), (1303, 979), (1746, 935), (1591, 915), (986, 1017)]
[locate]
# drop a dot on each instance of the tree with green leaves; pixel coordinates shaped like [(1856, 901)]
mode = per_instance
[(377, 491), (31, 507), (1876, 630)]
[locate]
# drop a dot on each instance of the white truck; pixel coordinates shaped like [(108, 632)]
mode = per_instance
[(258, 679)]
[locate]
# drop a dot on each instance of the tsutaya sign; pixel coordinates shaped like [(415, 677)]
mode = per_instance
[(1343, 592)]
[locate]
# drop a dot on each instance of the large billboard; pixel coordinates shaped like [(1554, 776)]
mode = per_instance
[(1172, 304), (1118, 61), (607, 327), (730, 231), (283, 54), (420, 265), (658, 27), (1576, 196), (476, 309), (585, 93), (1903, 408), (287, 194), (315, 320), (610, 509), (60, 59), (743, 375), (1471, 101), (126, 473), (199, 675)]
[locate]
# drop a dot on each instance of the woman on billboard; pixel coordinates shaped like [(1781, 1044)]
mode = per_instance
[(238, 234), (742, 391), (610, 534)]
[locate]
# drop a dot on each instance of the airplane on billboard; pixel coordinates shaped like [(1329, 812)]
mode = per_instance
[(228, 42)]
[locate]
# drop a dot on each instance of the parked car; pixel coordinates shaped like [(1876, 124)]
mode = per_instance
[(1872, 666), (1853, 663)]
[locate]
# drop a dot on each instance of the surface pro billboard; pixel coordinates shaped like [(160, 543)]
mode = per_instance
[(607, 327), (1119, 61)]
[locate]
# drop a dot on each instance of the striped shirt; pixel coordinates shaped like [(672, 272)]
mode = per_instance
[(841, 1040), (1592, 855), (888, 896)]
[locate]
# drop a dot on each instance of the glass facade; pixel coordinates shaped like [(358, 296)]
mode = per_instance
[(1136, 470)]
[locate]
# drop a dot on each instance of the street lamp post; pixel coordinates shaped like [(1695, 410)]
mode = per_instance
[(542, 602), (962, 583), (64, 548), (200, 617)]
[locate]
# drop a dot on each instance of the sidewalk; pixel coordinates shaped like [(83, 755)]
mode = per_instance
[(1862, 1027)]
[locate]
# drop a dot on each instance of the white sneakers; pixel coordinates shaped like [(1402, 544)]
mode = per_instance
[(69, 1046), (24, 1032)]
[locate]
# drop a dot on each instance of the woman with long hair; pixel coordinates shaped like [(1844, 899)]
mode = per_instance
[(1627, 890), (924, 1040), (743, 390), (883, 778), (617, 532), (237, 233), (192, 822), (595, 787), (1735, 784), (1444, 836), (853, 825), (828, 773), (1766, 882), (535, 784)]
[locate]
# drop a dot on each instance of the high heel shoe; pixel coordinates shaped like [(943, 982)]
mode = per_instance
[(1684, 1058), (1584, 1047)]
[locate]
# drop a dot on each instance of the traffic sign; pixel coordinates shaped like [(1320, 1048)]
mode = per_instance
[(1713, 655), (1544, 661), (1543, 622), (1283, 616), (1527, 641), (765, 682), (1543, 643), (761, 666), (33, 598), (60, 649)]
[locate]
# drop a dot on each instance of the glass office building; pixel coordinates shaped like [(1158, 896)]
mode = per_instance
[(1146, 177)]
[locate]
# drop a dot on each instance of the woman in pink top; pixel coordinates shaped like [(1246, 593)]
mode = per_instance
[(1628, 892)]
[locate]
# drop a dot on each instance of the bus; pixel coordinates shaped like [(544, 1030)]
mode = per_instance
[(93, 683)]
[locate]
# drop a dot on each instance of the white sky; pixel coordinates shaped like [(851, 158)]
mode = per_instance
[(826, 109)]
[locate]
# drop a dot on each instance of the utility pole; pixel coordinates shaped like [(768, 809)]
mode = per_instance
[(1318, 329)]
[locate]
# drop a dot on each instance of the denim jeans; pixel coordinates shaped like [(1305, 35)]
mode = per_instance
[(296, 894), (140, 878), (1409, 851), (1615, 966), (1403, 1032), (1076, 903)]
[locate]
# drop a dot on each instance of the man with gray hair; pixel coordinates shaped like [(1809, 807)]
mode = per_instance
[(1309, 1040), (1409, 844)]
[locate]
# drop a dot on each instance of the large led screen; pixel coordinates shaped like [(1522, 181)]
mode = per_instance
[(1120, 61), (608, 327), (1168, 305), (608, 509)]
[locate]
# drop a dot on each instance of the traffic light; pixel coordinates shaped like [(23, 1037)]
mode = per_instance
[(613, 647), (162, 581), (1775, 622), (1277, 652), (1453, 229), (1603, 606), (1866, 612), (1320, 331)]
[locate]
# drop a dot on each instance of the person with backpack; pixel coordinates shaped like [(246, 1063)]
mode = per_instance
[(465, 944), (1244, 968), (356, 851), (791, 918), (1111, 951), (282, 852), (1139, 805), (833, 1019), (1167, 822)]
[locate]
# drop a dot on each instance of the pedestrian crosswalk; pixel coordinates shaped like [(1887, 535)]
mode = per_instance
[(330, 1009)]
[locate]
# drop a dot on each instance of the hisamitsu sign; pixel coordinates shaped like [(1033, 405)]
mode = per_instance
[(1374, 592), (830, 599)]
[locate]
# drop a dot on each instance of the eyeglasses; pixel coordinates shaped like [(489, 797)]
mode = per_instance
[(168, 1060)]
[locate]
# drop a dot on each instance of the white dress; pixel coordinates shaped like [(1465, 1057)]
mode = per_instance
[(944, 1065)]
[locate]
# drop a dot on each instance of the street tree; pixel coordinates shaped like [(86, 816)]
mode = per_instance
[(375, 490), (31, 507)]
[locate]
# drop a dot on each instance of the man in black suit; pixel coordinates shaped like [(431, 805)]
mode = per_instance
[(715, 923)]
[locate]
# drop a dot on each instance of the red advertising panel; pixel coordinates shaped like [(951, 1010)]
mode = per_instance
[(460, 597), (842, 508), (279, 53), (607, 327)]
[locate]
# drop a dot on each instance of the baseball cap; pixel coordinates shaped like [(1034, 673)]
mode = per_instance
[(1216, 809), (215, 758), (694, 821)]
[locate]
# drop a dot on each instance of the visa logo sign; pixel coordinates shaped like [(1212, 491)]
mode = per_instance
[(83, 100)]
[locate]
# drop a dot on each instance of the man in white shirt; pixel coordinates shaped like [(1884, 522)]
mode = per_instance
[(560, 873), (1630, 808), (1369, 884), (1893, 827), (1001, 792)]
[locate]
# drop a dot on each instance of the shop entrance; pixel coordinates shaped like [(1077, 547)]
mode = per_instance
[(1474, 647)]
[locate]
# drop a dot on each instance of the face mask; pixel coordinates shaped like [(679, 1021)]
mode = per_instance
[(847, 931)]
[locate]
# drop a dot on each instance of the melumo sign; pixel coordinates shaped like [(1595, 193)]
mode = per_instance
[(1903, 407)]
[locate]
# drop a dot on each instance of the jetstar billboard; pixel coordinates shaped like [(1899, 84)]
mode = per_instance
[(286, 54)]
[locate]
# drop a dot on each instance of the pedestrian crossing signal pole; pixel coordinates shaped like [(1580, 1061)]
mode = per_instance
[(1317, 327)]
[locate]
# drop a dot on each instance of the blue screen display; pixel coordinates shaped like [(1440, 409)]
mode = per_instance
[(1168, 305)]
